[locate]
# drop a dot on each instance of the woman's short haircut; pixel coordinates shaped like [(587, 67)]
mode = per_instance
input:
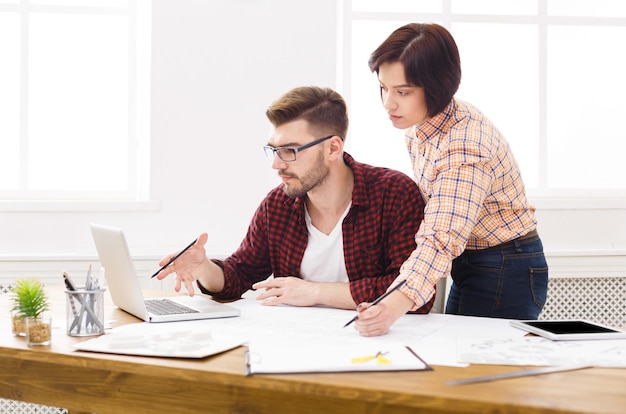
[(430, 58), (323, 108)]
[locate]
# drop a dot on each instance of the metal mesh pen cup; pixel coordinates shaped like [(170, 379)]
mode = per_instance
[(85, 312)]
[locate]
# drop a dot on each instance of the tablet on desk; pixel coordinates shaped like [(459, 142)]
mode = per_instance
[(569, 330)]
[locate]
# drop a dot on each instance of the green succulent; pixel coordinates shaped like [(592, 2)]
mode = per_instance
[(29, 298)]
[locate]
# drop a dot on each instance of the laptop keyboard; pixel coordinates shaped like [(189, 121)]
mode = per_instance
[(167, 307)]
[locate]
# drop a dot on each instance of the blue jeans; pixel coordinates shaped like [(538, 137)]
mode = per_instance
[(507, 281)]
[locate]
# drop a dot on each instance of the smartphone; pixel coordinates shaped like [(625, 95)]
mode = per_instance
[(569, 330)]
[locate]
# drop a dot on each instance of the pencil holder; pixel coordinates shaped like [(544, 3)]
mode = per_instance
[(85, 312)]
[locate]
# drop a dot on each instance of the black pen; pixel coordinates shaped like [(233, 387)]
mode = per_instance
[(384, 295), (174, 258), (68, 282), (70, 286)]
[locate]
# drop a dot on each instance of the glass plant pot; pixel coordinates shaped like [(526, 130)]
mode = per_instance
[(39, 330), (18, 323)]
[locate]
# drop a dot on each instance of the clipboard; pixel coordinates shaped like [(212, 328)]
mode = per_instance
[(276, 359)]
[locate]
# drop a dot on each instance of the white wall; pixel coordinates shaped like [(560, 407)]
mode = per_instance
[(217, 64)]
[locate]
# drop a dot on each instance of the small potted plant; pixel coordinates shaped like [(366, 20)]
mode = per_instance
[(29, 305)]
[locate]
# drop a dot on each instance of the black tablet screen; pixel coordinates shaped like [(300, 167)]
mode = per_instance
[(569, 327)]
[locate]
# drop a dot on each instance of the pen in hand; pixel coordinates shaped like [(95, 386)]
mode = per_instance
[(384, 295), (174, 258)]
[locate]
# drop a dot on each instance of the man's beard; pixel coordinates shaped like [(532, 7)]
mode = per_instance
[(316, 176)]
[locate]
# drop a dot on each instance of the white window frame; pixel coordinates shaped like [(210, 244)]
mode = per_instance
[(136, 197), (541, 197)]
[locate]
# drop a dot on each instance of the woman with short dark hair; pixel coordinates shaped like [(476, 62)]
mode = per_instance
[(478, 225)]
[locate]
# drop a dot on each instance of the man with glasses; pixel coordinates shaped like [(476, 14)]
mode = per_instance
[(334, 232)]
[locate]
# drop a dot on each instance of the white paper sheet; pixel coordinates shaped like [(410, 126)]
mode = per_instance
[(533, 350), (174, 340), (432, 336)]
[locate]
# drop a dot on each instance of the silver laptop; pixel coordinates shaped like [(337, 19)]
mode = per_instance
[(123, 285)]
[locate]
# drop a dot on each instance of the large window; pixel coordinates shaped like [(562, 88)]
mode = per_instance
[(548, 73), (73, 99)]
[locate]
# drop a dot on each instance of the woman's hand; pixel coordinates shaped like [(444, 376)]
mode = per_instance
[(376, 320)]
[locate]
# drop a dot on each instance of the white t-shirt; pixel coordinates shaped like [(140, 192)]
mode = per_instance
[(323, 258)]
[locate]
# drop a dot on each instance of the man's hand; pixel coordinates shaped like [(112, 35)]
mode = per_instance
[(189, 267), (287, 291)]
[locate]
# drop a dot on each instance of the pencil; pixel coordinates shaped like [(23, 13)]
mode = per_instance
[(384, 295), (174, 258)]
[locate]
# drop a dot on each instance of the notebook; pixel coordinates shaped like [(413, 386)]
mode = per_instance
[(123, 285)]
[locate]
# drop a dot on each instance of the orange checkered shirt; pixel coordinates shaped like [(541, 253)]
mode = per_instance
[(474, 193)]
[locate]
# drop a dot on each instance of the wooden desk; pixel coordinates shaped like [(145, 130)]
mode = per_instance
[(101, 383)]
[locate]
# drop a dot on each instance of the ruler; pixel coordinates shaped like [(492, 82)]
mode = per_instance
[(517, 374)]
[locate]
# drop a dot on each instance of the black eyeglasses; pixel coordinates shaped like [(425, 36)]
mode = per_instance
[(288, 154)]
